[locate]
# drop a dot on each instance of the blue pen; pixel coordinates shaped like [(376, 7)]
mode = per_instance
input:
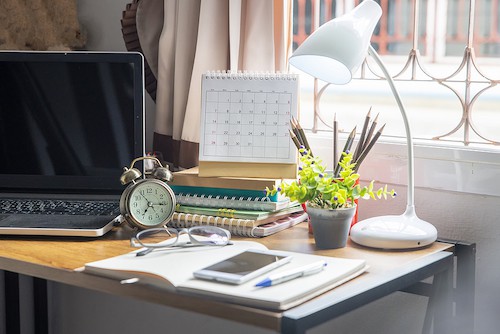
[(306, 270)]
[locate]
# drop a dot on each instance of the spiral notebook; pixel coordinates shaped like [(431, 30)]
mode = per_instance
[(240, 227), (245, 120)]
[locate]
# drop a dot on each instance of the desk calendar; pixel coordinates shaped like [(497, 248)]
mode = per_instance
[(245, 119)]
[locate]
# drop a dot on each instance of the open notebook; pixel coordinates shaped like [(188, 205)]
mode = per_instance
[(167, 269), (69, 123)]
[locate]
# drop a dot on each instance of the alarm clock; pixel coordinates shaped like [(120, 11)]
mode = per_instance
[(147, 202)]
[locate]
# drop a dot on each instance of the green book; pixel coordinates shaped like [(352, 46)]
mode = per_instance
[(236, 213), (223, 192), (233, 202)]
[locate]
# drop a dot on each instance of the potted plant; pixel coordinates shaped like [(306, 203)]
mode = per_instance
[(330, 200)]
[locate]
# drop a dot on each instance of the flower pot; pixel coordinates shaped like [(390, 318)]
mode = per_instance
[(354, 218), (331, 227)]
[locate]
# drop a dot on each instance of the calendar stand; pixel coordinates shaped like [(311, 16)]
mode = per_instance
[(247, 169)]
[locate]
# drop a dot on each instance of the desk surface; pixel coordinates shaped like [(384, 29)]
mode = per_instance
[(56, 259)]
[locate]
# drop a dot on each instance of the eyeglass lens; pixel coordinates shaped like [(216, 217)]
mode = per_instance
[(207, 235), (157, 237)]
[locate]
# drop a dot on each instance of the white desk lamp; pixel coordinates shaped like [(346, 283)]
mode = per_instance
[(333, 53)]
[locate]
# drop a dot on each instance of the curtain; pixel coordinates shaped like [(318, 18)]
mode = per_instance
[(199, 36)]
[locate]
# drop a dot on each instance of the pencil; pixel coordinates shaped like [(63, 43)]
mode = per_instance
[(303, 137), (335, 140), (294, 139), (370, 132), (361, 141), (346, 149), (367, 149), (350, 140), (296, 131)]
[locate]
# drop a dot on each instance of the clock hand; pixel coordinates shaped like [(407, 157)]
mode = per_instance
[(150, 205), (158, 203), (149, 202)]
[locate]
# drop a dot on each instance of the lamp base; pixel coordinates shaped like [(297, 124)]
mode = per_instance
[(394, 232)]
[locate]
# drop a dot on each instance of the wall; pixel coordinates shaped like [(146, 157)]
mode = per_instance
[(101, 22), (456, 215)]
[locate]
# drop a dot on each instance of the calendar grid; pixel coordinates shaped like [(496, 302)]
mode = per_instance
[(247, 118)]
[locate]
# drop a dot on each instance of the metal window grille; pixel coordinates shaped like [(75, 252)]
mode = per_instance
[(436, 29)]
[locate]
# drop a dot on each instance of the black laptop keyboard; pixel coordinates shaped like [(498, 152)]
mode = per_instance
[(55, 207)]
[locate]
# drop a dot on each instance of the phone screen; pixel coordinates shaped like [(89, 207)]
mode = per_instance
[(243, 267), (245, 263)]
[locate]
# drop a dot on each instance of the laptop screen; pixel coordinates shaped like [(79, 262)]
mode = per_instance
[(69, 122)]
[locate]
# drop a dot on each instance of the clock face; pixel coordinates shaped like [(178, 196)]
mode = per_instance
[(151, 203)]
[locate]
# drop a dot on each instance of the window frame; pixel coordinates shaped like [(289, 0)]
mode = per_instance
[(442, 167), (438, 164)]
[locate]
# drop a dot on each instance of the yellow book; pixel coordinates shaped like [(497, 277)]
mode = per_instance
[(191, 177), (247, 169)]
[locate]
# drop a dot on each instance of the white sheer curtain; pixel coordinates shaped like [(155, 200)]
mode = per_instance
[(198, 36)]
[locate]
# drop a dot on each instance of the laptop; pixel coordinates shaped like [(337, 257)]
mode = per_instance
[(69, 123)]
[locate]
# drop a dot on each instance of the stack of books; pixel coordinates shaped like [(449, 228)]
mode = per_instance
[(234, 203)]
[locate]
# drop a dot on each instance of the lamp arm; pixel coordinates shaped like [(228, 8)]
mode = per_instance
[(410, 201)]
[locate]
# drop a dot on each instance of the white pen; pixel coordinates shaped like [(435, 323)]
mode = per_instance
[(306, 270)]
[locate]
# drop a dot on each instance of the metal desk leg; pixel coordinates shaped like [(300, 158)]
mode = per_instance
[(465, 286), (443, 301), (12, 303), (40, 305)]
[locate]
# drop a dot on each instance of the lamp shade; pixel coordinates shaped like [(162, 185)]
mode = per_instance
[(334, 52)]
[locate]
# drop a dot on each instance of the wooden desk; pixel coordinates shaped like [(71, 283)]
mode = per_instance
[(58, 259)]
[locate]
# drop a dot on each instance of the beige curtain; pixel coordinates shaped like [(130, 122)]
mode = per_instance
[(198, 36)]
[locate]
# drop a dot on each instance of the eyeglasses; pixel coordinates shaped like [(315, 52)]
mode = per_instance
[(167, 237)]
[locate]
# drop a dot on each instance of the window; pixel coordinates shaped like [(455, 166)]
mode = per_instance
[(445, 58)]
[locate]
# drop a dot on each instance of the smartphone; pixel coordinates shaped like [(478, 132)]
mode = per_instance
[(243, 266)]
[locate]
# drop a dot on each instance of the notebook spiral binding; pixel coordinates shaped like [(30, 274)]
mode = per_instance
[(210, 201), (237, 226), (245, 75)]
